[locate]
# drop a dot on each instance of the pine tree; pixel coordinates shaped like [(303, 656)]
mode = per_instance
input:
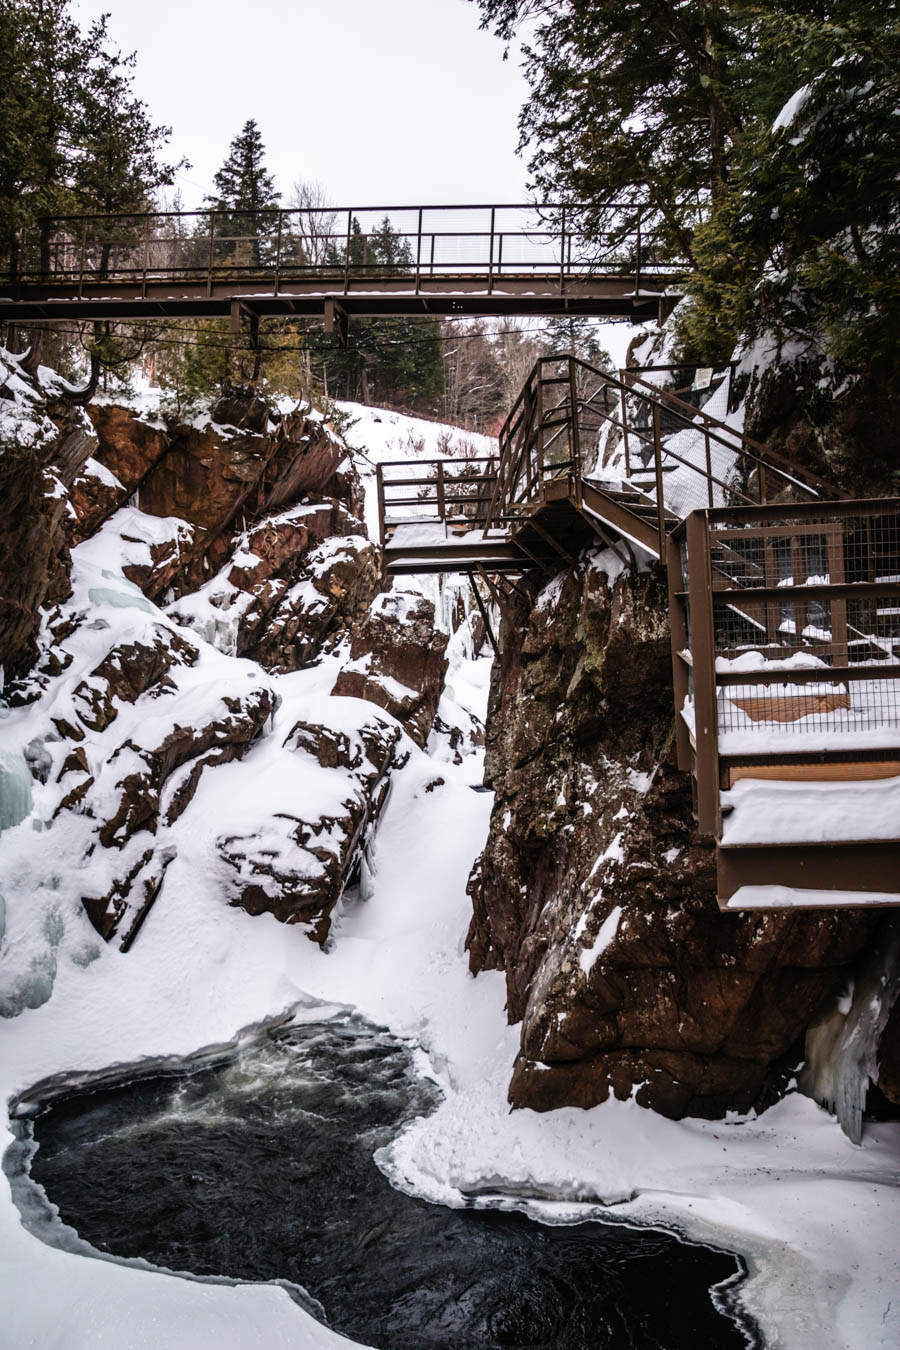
[(245, 200)]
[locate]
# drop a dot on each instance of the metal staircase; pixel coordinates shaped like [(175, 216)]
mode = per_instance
[(784, 602)]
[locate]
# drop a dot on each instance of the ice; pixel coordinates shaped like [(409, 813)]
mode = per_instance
[(15, 789), (841, 1045)]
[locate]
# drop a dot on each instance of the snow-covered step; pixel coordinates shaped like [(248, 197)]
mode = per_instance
[(748, 898), (776, 811)]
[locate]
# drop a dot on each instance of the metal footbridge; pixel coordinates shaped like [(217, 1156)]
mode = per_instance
[(784, 602), (451, 261)]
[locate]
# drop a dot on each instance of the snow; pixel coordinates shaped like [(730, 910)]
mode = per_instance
[(777, 812), (792, 108), (797, 897), (588, 956), (815, 1216)]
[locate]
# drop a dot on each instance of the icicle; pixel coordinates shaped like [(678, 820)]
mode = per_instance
[(842, 1043)]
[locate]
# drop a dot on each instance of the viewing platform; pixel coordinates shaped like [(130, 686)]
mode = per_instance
[(784, 612)]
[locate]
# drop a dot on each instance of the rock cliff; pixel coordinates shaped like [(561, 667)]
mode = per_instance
[(157, 578), (594, 893)]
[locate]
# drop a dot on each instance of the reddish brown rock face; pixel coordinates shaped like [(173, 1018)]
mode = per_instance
[(595, 895), (127, 445), (397, 661), (35, 473), (242, 464)]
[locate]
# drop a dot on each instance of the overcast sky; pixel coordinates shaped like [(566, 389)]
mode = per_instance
[(385, 102)]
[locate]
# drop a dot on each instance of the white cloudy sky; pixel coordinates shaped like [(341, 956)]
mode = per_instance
[(386, 102)]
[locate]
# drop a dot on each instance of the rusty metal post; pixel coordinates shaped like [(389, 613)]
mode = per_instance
[(491, 258), (703, 655), (574, 431), (562, 252), (211, 257), (83, 251), (419, 251), (660, 500), (709, 473), (379, 483), (347, 250), (278, 252), (624, 407), (539, 447), (679, 637), (441, 498), (837, 608)]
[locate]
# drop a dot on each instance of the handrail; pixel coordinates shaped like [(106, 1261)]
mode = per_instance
[(493, 240), (523, 438)]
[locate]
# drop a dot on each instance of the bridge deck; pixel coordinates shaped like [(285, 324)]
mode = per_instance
[(266, 295)]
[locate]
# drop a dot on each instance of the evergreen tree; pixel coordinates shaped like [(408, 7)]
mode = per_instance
[(649, 100), (245, 200)]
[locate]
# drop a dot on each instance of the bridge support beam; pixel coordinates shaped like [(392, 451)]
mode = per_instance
[(239, 312), (337, 320)]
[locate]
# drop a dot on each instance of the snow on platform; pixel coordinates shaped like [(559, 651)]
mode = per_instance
[(795, 897), (765, 811)]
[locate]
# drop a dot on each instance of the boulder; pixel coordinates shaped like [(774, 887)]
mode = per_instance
[(293, 588), (398, 661), (93, 497), (297, 866)]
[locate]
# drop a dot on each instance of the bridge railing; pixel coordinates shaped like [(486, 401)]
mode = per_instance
[(786, 629), (573, 418), (342, 246), (426, 501)]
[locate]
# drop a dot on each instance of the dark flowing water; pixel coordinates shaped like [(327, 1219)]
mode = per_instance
[(260, 1167)]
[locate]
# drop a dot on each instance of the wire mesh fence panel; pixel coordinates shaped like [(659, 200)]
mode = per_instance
[(836, 709)]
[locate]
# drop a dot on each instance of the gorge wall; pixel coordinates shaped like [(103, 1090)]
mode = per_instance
[(595, 894), (160, 580), (163, 582)]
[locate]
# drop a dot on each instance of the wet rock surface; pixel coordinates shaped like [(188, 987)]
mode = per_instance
[(261, 1167), (595, 894)]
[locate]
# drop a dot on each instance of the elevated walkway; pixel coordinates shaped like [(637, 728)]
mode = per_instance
[(784, 613), (337, 263)]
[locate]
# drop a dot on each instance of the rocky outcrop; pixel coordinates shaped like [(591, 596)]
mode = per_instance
[(594, 893), (221, 471), (297, 866), (43, 445), (132, 733), (294, 587), (93, 497), (398, 661)]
